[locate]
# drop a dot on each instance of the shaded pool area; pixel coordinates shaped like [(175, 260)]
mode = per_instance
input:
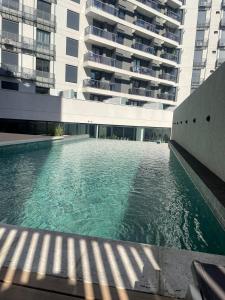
[(115, 189)]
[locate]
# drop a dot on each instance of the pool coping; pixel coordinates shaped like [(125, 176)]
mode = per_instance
[(45, 139), (209, 185), (92, 267)]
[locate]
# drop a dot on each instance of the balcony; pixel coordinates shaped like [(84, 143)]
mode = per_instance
[(201, 43), (197, 82), (103, 34), (168, 76), (152, 4), (110, 9), (221, 43), (22, 42), (222, 23), (205, 3), (90, 56), (203, 24), (144, 70), (142, 92), (199, 63), (169, 56), (146, 25), (8, 70), (144, 48), (104, 85), (167, 96), (172, 36), (12, 8), (173, 15)]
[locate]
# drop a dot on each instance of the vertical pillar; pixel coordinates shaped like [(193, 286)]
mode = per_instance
[(140, 134), (96, 131)]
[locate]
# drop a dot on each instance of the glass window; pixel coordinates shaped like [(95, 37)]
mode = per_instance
[(9, 58), (198, 55), (42, 65), (72, 20), (43, 37), (44, 6), (200, 35), (13, 4), (71, 47), (71, 74), (196, 75), (42, 90), (9, 26)]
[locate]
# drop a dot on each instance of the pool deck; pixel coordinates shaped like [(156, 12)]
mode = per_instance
[(54, 265)]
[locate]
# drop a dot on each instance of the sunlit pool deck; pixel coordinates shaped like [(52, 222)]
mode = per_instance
[(38, 263)]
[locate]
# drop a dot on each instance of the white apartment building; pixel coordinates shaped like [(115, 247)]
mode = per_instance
[(93, 49), (203, 48)]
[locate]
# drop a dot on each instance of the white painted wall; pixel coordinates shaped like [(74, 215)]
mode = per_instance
[(14, 105), (204, 140)]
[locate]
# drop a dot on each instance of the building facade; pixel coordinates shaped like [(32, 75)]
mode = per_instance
[(94, 50)]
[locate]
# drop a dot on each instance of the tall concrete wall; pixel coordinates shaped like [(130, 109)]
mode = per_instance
[(14, 105), (199, 123)]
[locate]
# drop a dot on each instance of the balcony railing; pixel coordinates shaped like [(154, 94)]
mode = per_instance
[(167, 96), (173, 15), (205, 3), (172, 36), (146, 25), (201, 43), (110, 9), (12, 7), (26, 43), (144, 70), (8, 70), (203, 24), (142, 92), (199, 63), (197, 82), (150, 3), (90, 56), (222, 22), (103, 34), (220, 61), (221, 43), (143, 47), (168, 76), (170, 56), (104, 85)]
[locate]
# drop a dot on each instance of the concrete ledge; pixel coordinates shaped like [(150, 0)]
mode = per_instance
[(93, 268), (209, 185)]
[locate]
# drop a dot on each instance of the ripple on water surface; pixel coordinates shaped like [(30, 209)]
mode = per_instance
[(116, 189)]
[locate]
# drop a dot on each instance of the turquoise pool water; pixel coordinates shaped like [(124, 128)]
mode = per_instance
[(116, 189)]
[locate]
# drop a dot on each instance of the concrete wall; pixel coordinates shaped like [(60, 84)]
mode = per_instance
[(205, 140), (14, 105)]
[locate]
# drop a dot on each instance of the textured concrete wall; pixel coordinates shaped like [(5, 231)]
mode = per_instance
[(14, 105), (201, 123)]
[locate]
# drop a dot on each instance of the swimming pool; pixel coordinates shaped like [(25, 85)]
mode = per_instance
[(122, 190)]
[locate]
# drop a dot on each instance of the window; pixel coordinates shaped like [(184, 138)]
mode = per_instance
[(43, 10), (71, 47), (198, 55), (42, 65), (11, 4), (7, 85), (9, 58), (9, 26), (196, 74), (43, 37), (42, 90), (71, 74), (72, 20), (200, 35)]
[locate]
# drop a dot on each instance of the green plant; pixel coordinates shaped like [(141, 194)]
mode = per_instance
[(58, 130)]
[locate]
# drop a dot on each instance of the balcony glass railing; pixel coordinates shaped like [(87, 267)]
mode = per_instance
[(10, 4), (110, 9), (172, 36), (221, 43), (90, 56), (203, 24), (201, 43), (142, 92), (150, 3), (199, 63), (143, 47), (103, 34), (104, 85), (146, 25), (205, 3), (168, 76), (173, 15), (144, 70), (167, 96), (170, 56)]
